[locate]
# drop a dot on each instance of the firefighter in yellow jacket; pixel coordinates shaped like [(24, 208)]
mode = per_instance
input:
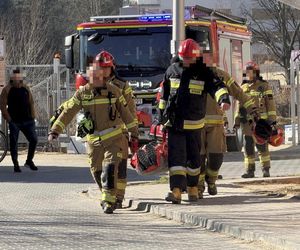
[(213, 134), (262, 94), (128, 95), (105, 113)]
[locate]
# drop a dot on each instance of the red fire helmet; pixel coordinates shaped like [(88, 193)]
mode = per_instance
[(276, 139), (189, 48), (104, 59), (258, 139), (251, 65)]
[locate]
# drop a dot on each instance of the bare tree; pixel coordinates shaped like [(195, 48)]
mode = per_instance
[(26, 32), (278, 31), (82, 10), (34, 30)]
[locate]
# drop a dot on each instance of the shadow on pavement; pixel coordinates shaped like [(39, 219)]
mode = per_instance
[(217, 201), (61, 174)]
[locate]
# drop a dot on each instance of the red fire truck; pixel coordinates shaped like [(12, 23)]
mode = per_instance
[(141, 47)]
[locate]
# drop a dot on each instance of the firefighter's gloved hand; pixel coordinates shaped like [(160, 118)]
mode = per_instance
[(225, 106), (52, 136), (225, 125), (160, 116), (236, 126), (134, 144), (272, 123), (255, 114)]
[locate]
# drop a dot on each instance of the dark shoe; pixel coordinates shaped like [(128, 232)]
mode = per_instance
[(212, 189), (30, 164), (174, 196), (248, 174), (107, 207), (266, 172), (119, 204), (17, 169)]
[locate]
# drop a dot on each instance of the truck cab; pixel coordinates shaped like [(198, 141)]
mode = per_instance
[(140, 45)]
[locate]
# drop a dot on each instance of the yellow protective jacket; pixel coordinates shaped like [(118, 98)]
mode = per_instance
[(214, 114), (262, 94), (128, 95), (108, 110)]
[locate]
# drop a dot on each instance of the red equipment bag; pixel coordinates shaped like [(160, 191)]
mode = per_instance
[(151, 158), (144, 119), (156, 130)]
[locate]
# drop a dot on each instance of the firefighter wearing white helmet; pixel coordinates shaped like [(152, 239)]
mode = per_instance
[(108, 111), (182, 104), (261, 92)]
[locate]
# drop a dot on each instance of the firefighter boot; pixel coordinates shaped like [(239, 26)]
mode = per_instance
[(107, 207), (174, 196), (248, 174), (266, 172), (211, 185), (201, 188), (212, 188), (119, 204), (192, 194)]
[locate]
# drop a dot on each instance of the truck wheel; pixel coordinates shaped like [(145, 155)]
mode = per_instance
[(235, 142)]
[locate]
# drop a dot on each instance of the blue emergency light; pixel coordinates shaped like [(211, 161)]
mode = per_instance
[(155, 18)]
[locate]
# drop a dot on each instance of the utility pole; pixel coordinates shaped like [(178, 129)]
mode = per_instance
[(178, 31)]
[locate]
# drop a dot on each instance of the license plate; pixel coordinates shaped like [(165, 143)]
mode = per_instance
[(139, 101)]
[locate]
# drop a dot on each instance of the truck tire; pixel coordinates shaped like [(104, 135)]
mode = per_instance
[(235, 142)]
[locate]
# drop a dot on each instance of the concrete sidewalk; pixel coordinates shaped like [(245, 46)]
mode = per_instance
[(283, 152), (273, 220)]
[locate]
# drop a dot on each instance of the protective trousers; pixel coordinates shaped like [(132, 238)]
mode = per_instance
[(104, 161), (122, 169), (184, 158), (249, 154), (213, 146)]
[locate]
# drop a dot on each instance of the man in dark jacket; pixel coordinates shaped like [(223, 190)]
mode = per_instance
[(17, 108), (183, 104)]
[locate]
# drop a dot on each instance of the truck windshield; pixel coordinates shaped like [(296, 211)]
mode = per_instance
[(132, 52)]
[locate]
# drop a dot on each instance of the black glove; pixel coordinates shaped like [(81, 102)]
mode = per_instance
[(272, 123)]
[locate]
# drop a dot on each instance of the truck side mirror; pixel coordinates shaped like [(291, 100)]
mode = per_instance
[(69, 53)]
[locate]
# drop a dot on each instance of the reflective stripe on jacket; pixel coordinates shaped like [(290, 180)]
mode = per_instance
[(183, 95), (107, 107)]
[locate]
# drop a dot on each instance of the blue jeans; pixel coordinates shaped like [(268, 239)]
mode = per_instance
[(28, 129)]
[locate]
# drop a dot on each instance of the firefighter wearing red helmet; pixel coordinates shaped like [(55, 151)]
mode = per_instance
[(106, 113), (182, 104), (262, 94), (105, 59), (213, 136)]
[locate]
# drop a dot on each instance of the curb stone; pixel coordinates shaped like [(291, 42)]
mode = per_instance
[(213, 225), (210, 224)]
